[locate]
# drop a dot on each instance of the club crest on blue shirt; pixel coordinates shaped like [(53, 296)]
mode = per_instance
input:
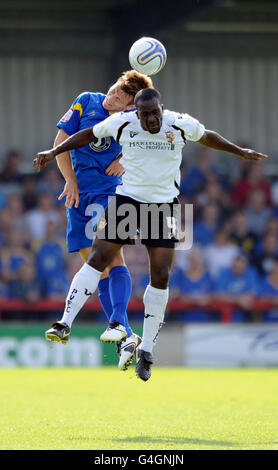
[(101, 144)]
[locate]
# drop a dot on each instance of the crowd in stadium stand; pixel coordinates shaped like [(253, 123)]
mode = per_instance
[(235, 252)]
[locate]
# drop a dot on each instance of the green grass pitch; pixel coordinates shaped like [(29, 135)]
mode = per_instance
[(108, 409)]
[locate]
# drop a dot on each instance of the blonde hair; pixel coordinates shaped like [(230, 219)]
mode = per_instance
[(132, 81)]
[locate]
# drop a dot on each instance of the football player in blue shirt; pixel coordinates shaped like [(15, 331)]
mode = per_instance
[(89, 183)]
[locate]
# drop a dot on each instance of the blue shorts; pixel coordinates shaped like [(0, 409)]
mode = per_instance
[(82, 221)]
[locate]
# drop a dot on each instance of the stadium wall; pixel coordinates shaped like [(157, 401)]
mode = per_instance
[(34, 94), (194, 345), (236, 96)]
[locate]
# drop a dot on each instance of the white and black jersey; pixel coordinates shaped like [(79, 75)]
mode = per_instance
[(151, 161)]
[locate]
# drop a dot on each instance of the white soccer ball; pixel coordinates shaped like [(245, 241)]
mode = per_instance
[(147, 55)]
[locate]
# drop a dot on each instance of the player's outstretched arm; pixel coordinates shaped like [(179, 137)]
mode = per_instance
[(75, 141), (216, 141)]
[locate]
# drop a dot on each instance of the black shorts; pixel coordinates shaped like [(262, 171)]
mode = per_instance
[(126, 219)]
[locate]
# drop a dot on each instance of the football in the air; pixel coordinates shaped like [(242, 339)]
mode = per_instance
[(147, 55)]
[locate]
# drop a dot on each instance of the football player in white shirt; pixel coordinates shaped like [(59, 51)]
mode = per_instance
[(151, 140)]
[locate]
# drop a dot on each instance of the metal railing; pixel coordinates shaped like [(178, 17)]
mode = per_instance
[(225, 309)]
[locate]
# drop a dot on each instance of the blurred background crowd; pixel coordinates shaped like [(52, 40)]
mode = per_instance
[(234, 255), (222, 68)]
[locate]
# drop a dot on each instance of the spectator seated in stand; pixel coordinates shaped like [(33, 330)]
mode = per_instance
[(50, 257), (52, 182), (240, 234), (193, 285), (3, 199), (5, 226), (15, 209), (38, 218), (272, 227), (257, 213), (205, 228), (221, 253), (237, 285), (265, 254), (274, 198), (29, 192), (25, 286), (57, 286), (195, 177), (13, 255), (254, 180), (214, 193), (268, 291)]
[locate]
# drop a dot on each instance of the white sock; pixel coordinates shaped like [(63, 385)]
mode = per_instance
[(82, 287), (155, 301)]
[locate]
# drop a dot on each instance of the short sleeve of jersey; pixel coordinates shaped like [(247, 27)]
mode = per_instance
[(71, 120), (111, 126), (192, 127)]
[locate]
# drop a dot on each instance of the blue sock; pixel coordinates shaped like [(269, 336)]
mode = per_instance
[(104, 297), (120, 286)]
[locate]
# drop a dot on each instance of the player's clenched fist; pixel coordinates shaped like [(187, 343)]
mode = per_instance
[(43, 158)]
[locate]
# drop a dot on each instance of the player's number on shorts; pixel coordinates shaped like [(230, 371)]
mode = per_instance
[(172, 225)]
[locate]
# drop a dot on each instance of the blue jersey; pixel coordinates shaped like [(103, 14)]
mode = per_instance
[(195, 288), (236, 284), (91, 161)]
